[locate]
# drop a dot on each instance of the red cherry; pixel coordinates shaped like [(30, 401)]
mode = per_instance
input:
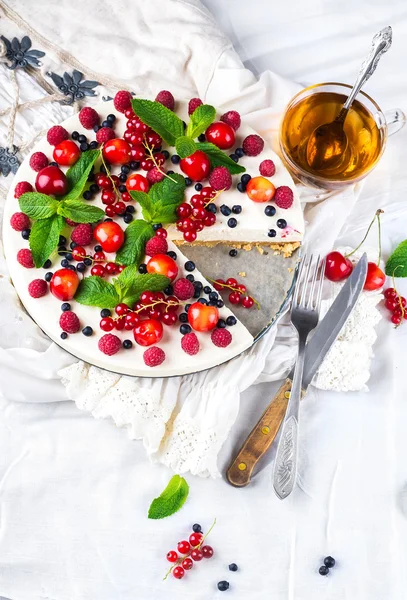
[(163, 265), (106, 324), (51, 181), (78, 253), (395, 319), (178, 572), (187, 564), (98, 270), (117, 151), (390, 293), (184, 547), (108, 197), (207, 551), (375, 277), (337, 266), (172, 556), (109, 235), (64, 284), (148, 332), (183, 210), (202, 317), (131, 320), (247, 301), (196, 555), (137, 183), (196, 166), (221, 134), (195, 539), (66, 153)]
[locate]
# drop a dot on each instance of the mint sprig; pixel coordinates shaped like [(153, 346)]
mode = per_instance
[(162, 120), (44, 238), (170, 500), (185, 146), (200, 120), (127, 288), (219, 159), (161, 203), (396, 265), (136, 235), (78, 174), (38, 206), (78, 211)]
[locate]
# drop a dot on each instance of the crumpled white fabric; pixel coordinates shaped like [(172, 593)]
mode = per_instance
[(182, 422)]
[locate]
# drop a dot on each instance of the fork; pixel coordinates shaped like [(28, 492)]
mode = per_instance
[(304, 316)]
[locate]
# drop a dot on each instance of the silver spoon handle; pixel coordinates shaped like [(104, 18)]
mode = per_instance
[(380, 44)]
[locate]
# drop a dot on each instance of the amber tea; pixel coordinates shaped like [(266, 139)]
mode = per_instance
[(364, 137)]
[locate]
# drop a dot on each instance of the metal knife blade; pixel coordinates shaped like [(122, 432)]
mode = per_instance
[(330, 326)]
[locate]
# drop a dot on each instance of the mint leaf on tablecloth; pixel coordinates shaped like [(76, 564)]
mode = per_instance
[(78, 174), (44, 238), (170, 500), (94, 291), (162, 120), (185, 146), (131, 284), (145, 202), (219, 159), (136, 235), (38, 206), (200, 120), (166, 196), (397, 262), (78, 211)]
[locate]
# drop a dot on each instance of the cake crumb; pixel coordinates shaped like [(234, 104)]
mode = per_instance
[(242, 274), (260, 250)]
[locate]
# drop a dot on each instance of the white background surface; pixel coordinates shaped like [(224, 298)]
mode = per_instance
[(352, 502)]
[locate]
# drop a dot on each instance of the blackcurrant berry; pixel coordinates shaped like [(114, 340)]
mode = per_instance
[(175, 159), (239, 152), (233, 567), (282, 223), (142, 268), (157, 226), (198, 187), (221, 324), (127, 344), (329, 562), (231, 321), (65, 306), (272, 233), (197, 528), (225, 210), (87, 331), (245, 178), (233, 252), (232, 222), (190, 278), (183, 317), (172, 255), (236, 209), (189, 265), (105, 312), (223, 586), (25, 234), (48, 276), (64, 335), (234, 157), (270, 211), (323, 570), (241, 187), (185, 329)]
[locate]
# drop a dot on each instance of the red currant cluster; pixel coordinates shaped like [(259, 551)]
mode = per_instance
[(237, 294), (199, 213), (110, 195), (138, 135), (396, 304), (191, 551), (100, 270)]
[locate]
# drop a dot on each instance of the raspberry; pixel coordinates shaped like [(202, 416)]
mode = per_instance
[(109, 344), (22, 188), (38, 161), (56, 135), (19, 221), (283, 197), (69, 322), (252, 145), (25, 258), (71, 223), (122, 101), (88, 117), (183, 289), (221, 337), (154, 356), (104, 135), (156, 245), (166, 99), (37, 288), (232, 118), (267, 168), (154, 175), (193, 105), (82, 234), (190, 343), (220, 179)]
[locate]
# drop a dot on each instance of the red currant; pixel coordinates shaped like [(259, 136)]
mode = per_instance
[(169, 318), (234, 297), (137, 153), (202, 317), (120, 208), (196, 555), (221, 134), (148, 332), (121, 309), (161, 232), (78, 253), (51, 181), (184, 547), (136, 138), (163, 265), (390, 293), (210, 219), (99, 257), (375, 277), (199, 213), (184, 210), (121, 268), (127, 136), (391, 304), (187, 564), (126, 197), (128, 113), (98, 271), (111, 268), (108, 197), (109, 211), (106, 324), (232, 282), (103, 181), (147, 164), (190, 236), (247, 301), (116, 151), (131, 320), (218, 285), (155, 313), (147, 297), (178, 572), (207, 551), (66, 153), (337, 266), (173, 307), (196, 166), (109, 235), (195, 539), (208, 192), (241, 288), (119, 323), (398, 312), (402, 301), (197, 201), (395, 319), (153, 139), (172, 556)]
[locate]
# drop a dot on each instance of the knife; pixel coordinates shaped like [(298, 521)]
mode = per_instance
[(264, 433)]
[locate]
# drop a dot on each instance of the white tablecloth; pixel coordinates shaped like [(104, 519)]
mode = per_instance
[(352, 501)]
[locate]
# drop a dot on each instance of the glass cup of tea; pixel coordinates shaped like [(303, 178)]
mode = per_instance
[(366, 127)]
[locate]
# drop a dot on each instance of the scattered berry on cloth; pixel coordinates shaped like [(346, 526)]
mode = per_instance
[(232, 118), (267, 168), (69, 322), (284, 196), (253, 144), (193, 105)]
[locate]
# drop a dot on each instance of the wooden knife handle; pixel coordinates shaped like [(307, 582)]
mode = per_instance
[(260, 439)]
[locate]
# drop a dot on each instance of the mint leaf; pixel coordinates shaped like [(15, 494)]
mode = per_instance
[(44, 238), (136, 235), (200, 120), (397, 262), (95, 291), (162, 120), (131, 284), (78, 174), (219, 158), (185, 146), (78, 211), (38, 206), (145, 202), (166, 196), (170, 500)]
